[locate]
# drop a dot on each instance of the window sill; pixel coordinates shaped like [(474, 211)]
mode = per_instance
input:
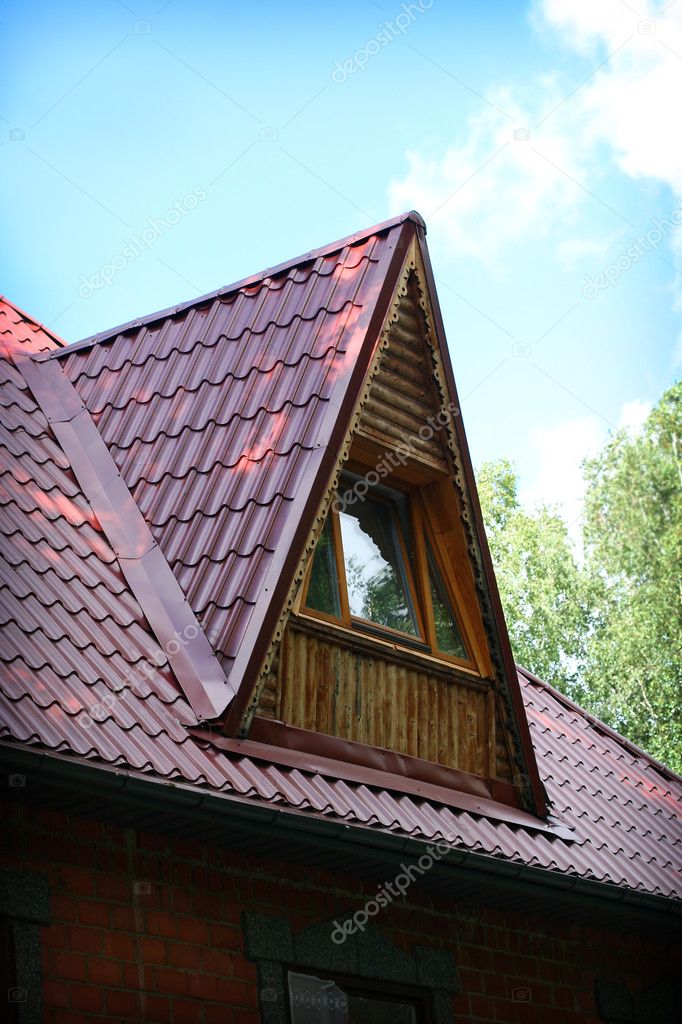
[(373, 644)]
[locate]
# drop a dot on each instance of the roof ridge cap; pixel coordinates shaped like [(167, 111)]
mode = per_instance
[(324, 250)]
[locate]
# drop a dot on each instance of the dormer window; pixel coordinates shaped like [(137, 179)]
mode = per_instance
[(376, 570)]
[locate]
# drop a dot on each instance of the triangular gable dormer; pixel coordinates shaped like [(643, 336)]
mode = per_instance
[(395, 643), (231, 422)]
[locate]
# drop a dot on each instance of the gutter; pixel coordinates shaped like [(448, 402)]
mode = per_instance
[(134, 791)]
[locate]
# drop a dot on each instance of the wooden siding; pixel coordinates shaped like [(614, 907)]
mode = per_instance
[(402, 396), (341, 690)]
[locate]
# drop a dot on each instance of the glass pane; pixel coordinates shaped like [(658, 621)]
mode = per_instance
[(366, 1010), (447, 635), (323, 589), (316, 1001), (375, 574), (320, 1001)]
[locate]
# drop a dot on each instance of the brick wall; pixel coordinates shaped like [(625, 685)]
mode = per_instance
[(148, 929)]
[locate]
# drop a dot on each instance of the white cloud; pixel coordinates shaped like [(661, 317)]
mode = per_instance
[(561, 450), (490, 188), (633, 415), (558, 482), (571, 250), (632, 101), (493, 188)]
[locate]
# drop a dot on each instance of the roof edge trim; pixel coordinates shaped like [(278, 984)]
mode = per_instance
[(180, 636), (137, 789), (279, 268), (275, 600), (31, 320), (291, 757)]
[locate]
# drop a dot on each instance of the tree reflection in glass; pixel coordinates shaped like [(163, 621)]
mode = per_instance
[(375, 571)]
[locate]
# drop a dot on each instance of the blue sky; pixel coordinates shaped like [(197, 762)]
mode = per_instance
[(537, 140)]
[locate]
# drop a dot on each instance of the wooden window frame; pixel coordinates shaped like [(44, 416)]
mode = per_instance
[(423, 532), (416, 578)]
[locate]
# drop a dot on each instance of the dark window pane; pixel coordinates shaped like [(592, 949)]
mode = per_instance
[(375, 573), (315, 1000), (366, 1010), (447, 634), (323, 589)]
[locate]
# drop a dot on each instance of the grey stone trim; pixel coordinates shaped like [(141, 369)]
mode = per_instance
[(25, 905), (25, 895), (270, 943)]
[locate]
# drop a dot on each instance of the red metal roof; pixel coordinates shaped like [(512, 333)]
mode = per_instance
[(219, 417), (75, 634), (19, 330), (225, 418)]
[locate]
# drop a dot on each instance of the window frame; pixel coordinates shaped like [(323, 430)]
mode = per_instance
[(368, 956), (416, 577), (354, 985), (367, 625)]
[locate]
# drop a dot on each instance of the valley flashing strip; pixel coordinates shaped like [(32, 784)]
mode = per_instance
[(146, 570)]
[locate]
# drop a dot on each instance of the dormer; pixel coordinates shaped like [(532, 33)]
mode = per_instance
[(393, 644), (297, 453)]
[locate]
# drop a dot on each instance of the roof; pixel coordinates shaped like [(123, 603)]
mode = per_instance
[(84, 674), (19, 330), (224, 419), (72, 633)]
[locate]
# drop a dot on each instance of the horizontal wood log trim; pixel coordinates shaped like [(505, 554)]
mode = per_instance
[(422, 465)]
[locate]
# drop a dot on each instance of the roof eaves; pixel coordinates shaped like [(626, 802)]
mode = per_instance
[(325, 250), (125, 787)]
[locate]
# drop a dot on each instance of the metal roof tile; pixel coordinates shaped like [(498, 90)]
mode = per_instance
[(218, 488)]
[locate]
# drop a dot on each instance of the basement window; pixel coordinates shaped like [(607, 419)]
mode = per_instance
[(376, 569)]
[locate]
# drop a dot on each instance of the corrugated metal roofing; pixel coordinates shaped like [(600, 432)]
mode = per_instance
[(20, 331), (75, 647), (82, 673), (215, 417)]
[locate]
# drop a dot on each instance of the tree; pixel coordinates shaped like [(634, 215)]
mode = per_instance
[(541, 585), (609, 632), (633, 542)]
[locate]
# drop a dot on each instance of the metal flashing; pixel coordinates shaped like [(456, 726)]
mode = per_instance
[(147, 572)]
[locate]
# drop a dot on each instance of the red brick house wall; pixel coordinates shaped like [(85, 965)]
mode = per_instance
[(149, 928)]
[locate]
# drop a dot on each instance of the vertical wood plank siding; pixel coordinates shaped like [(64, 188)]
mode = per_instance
[(333, 689)]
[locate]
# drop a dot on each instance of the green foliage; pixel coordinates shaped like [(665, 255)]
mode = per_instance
[(541, 585), (633, 542), (607, 632)]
